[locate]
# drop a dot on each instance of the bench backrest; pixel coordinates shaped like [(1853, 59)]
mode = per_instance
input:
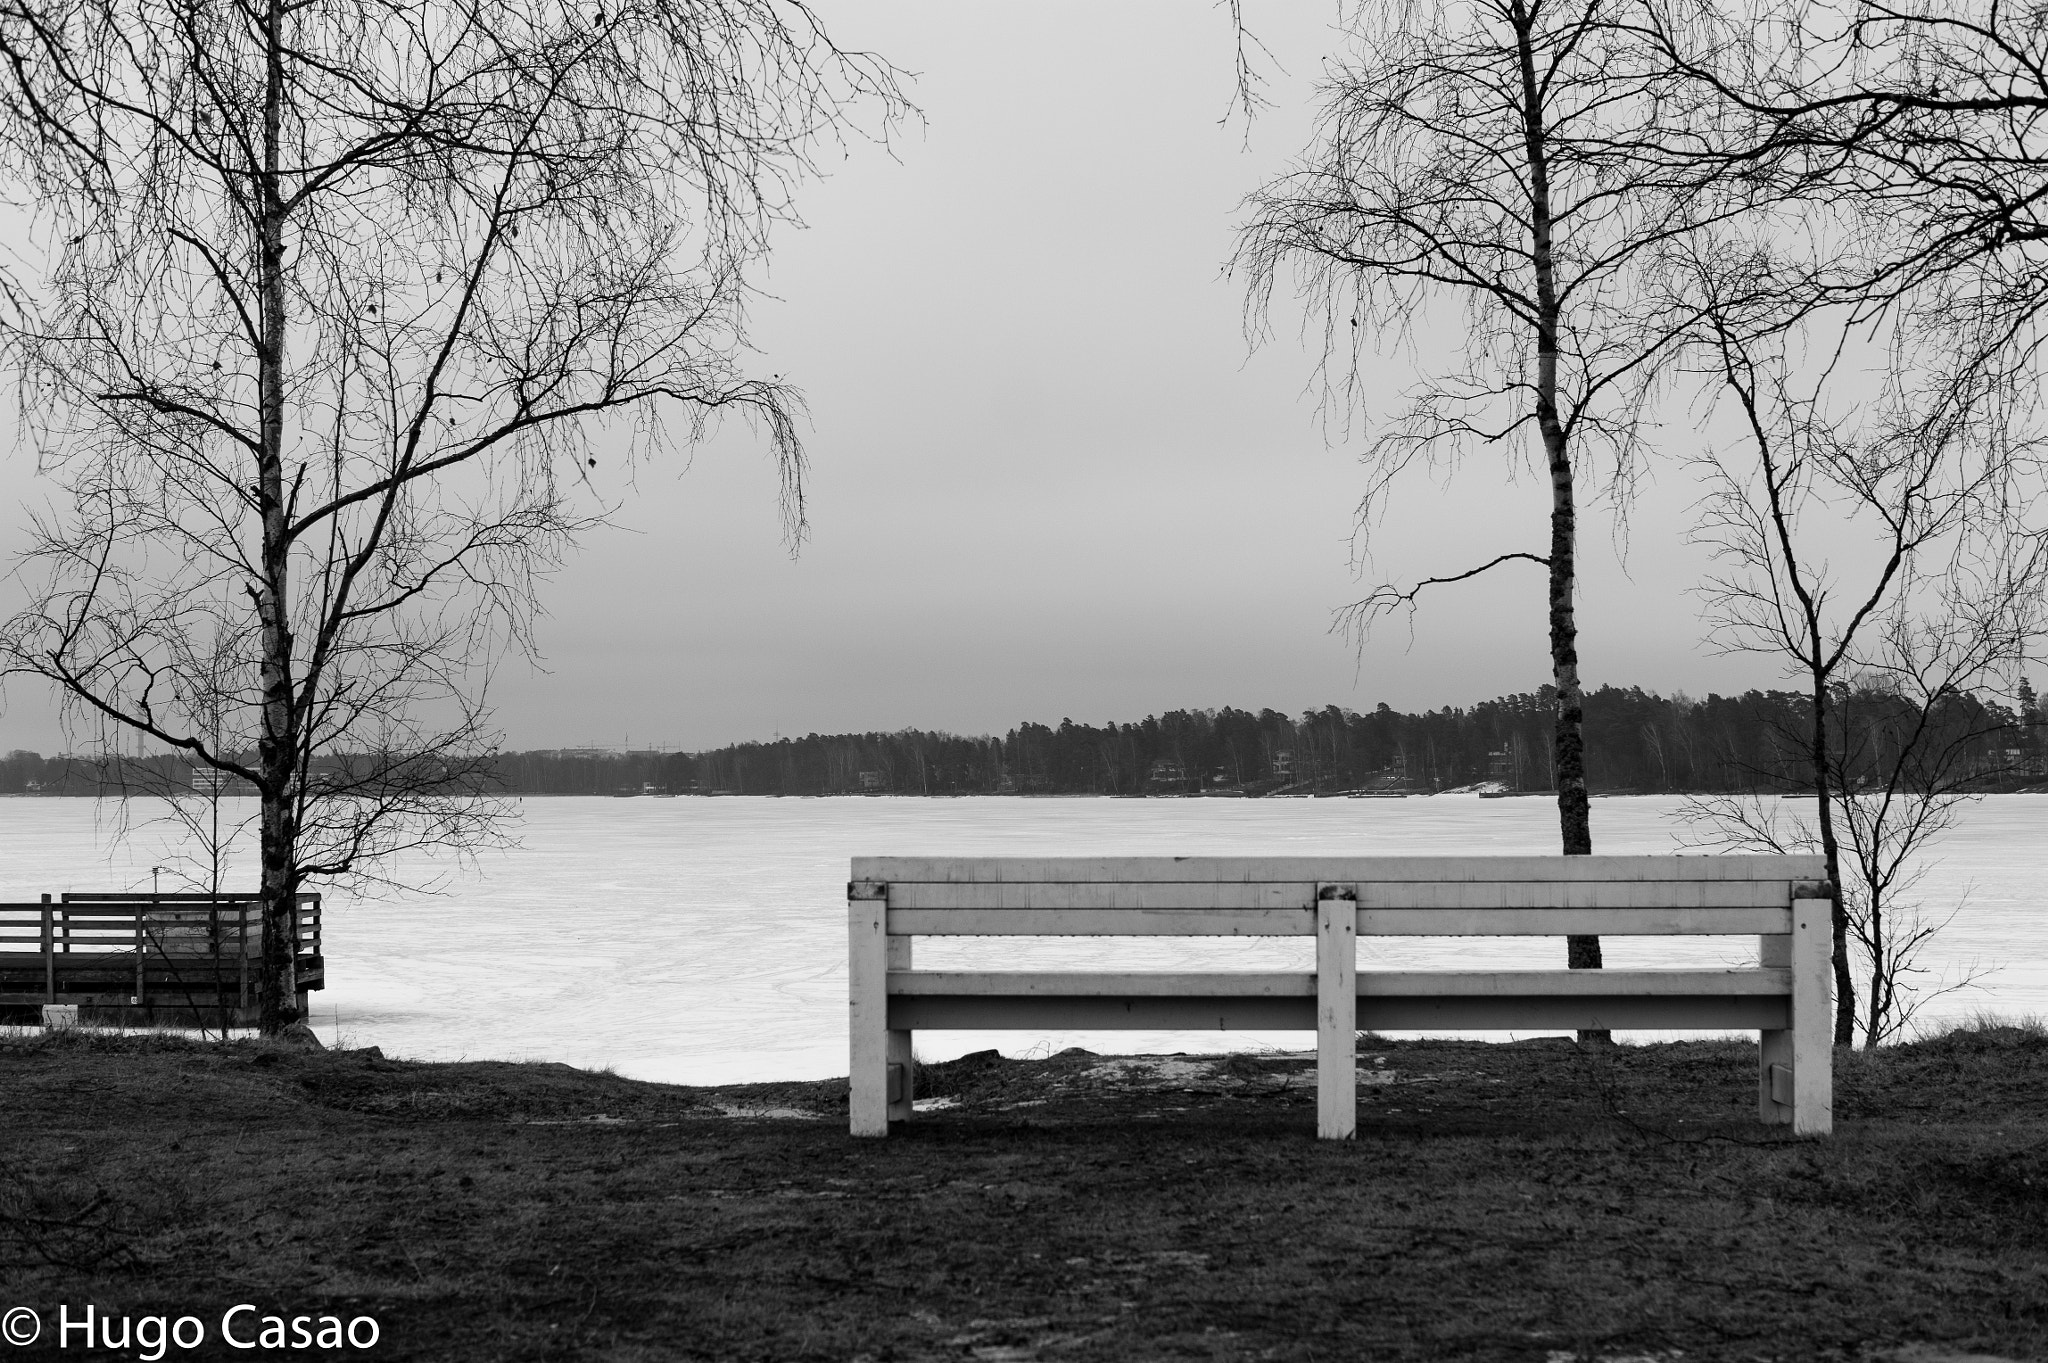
[(1396, 896)]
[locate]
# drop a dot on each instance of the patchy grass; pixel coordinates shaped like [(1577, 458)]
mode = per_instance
[(1528, 1202), (1994, 1026)]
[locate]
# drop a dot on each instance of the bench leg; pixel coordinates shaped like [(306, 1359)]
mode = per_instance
[(1813, 1019), (867, 970), (902, 1073), (1795, 1080), (1774, 1049), (1774, 1078), (1336, 1012)]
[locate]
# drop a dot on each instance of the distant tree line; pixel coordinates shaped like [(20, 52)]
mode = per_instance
[(1636, 742)]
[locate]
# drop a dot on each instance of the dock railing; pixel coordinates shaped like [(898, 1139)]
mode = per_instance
[(148, 951)]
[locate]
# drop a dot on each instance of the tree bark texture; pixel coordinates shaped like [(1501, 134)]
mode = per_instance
[(1573, 810), (276, 757)]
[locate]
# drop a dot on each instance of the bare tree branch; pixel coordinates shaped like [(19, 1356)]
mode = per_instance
[(338, 302), (1387, 598)]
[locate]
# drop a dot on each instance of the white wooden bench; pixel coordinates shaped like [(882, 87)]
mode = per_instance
[(1780, 899)]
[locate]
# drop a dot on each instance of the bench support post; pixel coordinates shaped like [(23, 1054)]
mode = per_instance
[(1813, 1018), (1336, 1012), (1774, 1047), (1795, 1078), (867, 1099), (902, 1072)]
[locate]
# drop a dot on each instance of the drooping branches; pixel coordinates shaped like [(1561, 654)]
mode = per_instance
[(1519, 170), (336, 300), (1927, 127)]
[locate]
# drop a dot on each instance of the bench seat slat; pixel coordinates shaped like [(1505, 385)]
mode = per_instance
[(1696, 922), (1578, 894), (1103, 1013), (975, 870), (1102, 922), (1301, 922), (1554, 1012), (1201, 894), (1291, 1013), (1762, 981), (1566, 984), (1086, 983), (1194, 894)]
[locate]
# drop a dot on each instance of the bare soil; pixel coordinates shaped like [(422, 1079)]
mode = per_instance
[(1533, 1202)]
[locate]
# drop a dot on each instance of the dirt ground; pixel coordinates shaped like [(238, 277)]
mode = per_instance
[(1529, 1202)]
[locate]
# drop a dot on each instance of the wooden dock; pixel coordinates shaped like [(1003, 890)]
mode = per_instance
[(141, 958)]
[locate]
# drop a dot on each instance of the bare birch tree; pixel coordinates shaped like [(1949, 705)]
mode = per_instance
[(1529, 163), (336, 300)]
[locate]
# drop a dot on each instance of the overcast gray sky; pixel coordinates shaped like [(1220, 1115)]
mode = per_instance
[(1050, 479)]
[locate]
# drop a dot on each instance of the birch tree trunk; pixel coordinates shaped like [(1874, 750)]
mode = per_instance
[(1574, 811)]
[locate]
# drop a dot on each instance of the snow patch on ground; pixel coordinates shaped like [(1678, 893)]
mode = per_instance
[(1143, 1072), (1149, 1071)]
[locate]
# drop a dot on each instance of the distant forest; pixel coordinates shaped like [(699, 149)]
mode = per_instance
[(1636, 742)]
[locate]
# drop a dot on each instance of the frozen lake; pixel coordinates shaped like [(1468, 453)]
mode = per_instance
[(704, 940)]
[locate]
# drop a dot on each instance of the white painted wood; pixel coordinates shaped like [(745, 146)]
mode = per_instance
[(1567, 984), (1576, 1013), (1544, 922), (867, 970), (1786, 998), (1336, 1013), (1297, 1012), (1106, 983), (1103, 922), (1334, 870), (899, 1039), (1097, 895), (1774, 1045), (1105, 1013), (1577, 894), (1648, 922), (1813, 1022)]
